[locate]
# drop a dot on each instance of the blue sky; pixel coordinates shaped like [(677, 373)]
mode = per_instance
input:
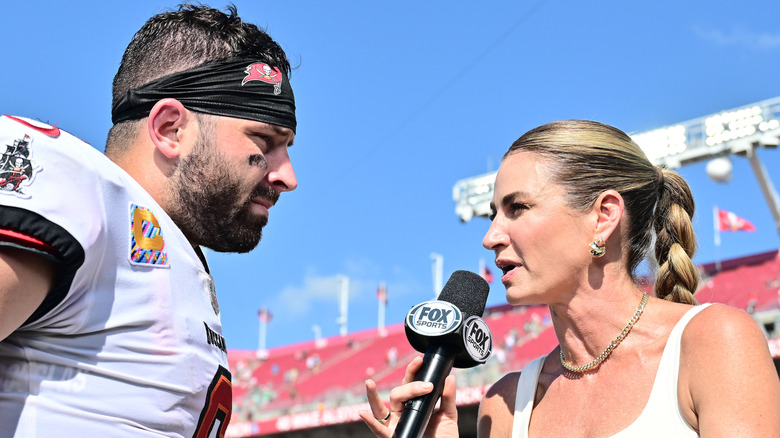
[(399, 100)]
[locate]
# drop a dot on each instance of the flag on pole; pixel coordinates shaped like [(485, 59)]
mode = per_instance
[(728, 221), (484, 272), (264, 315), (381, 293)]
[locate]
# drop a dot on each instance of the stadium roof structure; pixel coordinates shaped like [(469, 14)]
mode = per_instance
[(737, 131), (320, 384)]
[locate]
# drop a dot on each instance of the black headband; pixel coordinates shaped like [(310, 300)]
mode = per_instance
[(232, 87)]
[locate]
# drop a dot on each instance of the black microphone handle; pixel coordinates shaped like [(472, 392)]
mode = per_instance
[(436, 366)]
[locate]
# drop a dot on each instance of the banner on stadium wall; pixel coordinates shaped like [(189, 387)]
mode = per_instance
[(328, 417)]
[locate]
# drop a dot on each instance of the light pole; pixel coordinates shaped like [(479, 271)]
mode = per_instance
[(438, 261), (343, 304)]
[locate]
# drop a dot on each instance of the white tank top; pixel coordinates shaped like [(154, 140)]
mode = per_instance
[(661, 415)]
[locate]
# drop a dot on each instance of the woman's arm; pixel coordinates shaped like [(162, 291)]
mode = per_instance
[(733, 386), (496, 411)]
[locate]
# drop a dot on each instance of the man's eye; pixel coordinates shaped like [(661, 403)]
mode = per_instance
[(263, 137)]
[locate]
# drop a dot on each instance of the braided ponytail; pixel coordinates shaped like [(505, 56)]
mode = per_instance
[(675, 245)]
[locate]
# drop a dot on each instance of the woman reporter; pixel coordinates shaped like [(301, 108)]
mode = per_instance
[(576, 207)]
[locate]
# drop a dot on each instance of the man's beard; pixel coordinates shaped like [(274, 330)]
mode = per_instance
[(205, 204)]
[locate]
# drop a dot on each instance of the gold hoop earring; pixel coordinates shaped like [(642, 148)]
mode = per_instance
[(598, 248)]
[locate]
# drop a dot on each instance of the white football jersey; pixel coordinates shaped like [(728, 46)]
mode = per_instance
[(128, 343)]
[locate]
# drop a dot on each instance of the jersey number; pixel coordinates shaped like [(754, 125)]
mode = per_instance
[(215, 416)]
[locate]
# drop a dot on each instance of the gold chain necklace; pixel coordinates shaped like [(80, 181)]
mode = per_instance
[(596, 362)]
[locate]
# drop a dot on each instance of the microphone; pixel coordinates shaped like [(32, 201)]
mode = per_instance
[(451, 332)]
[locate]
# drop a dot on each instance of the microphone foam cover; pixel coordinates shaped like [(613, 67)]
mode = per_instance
[(467, 291)]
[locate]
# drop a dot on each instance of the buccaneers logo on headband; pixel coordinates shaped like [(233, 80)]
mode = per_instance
[(264, 72), (219, 88)]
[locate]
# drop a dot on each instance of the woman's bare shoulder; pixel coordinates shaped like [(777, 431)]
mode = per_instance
[(496, 411), (721, 325), (725, 367)]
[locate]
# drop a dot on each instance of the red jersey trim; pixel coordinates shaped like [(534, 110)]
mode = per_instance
[(51, 131), (18, 238)]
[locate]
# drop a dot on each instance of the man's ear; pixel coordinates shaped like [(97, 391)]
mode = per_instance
[(167, 121), (609, 209)]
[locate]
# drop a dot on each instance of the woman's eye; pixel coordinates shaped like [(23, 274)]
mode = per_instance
[(516, 207)]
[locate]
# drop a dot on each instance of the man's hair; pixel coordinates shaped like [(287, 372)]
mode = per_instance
[(178, 40)]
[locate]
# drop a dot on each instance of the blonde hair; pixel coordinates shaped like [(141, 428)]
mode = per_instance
[(590, 157)]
